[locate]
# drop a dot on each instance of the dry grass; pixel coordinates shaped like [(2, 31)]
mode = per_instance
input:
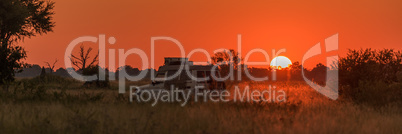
[(305, 111)]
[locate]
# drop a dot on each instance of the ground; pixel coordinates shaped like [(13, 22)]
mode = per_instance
[(70, 108)]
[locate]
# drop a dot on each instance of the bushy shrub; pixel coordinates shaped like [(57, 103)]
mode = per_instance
[(371, 76), (375, 94), (369, 65), (49, 88), (94, 70)]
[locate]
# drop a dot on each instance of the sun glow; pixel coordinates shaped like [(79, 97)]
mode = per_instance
[(280, 62)]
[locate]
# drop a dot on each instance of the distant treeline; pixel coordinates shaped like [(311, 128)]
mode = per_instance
[(317, 74), (35, 70)]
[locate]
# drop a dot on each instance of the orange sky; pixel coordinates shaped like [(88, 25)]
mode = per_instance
[(294, 25)]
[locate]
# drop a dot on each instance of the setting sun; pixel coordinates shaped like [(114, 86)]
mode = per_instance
[(280, 62)]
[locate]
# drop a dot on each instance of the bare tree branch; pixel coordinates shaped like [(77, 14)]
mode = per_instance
[(80, 62), (51, 66)]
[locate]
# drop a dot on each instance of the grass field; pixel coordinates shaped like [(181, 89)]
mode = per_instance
[(60, 106)]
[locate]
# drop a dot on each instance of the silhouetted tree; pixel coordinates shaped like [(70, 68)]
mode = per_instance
[(20, 19), (296, 71), (371, 76), (318, 73), (81, 61), (62, 72), (129, 70), (51, 67), (369, 65), (89, 67), (94, 70), (296, 66), (43, 73), (226, 60), (230, 57)]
